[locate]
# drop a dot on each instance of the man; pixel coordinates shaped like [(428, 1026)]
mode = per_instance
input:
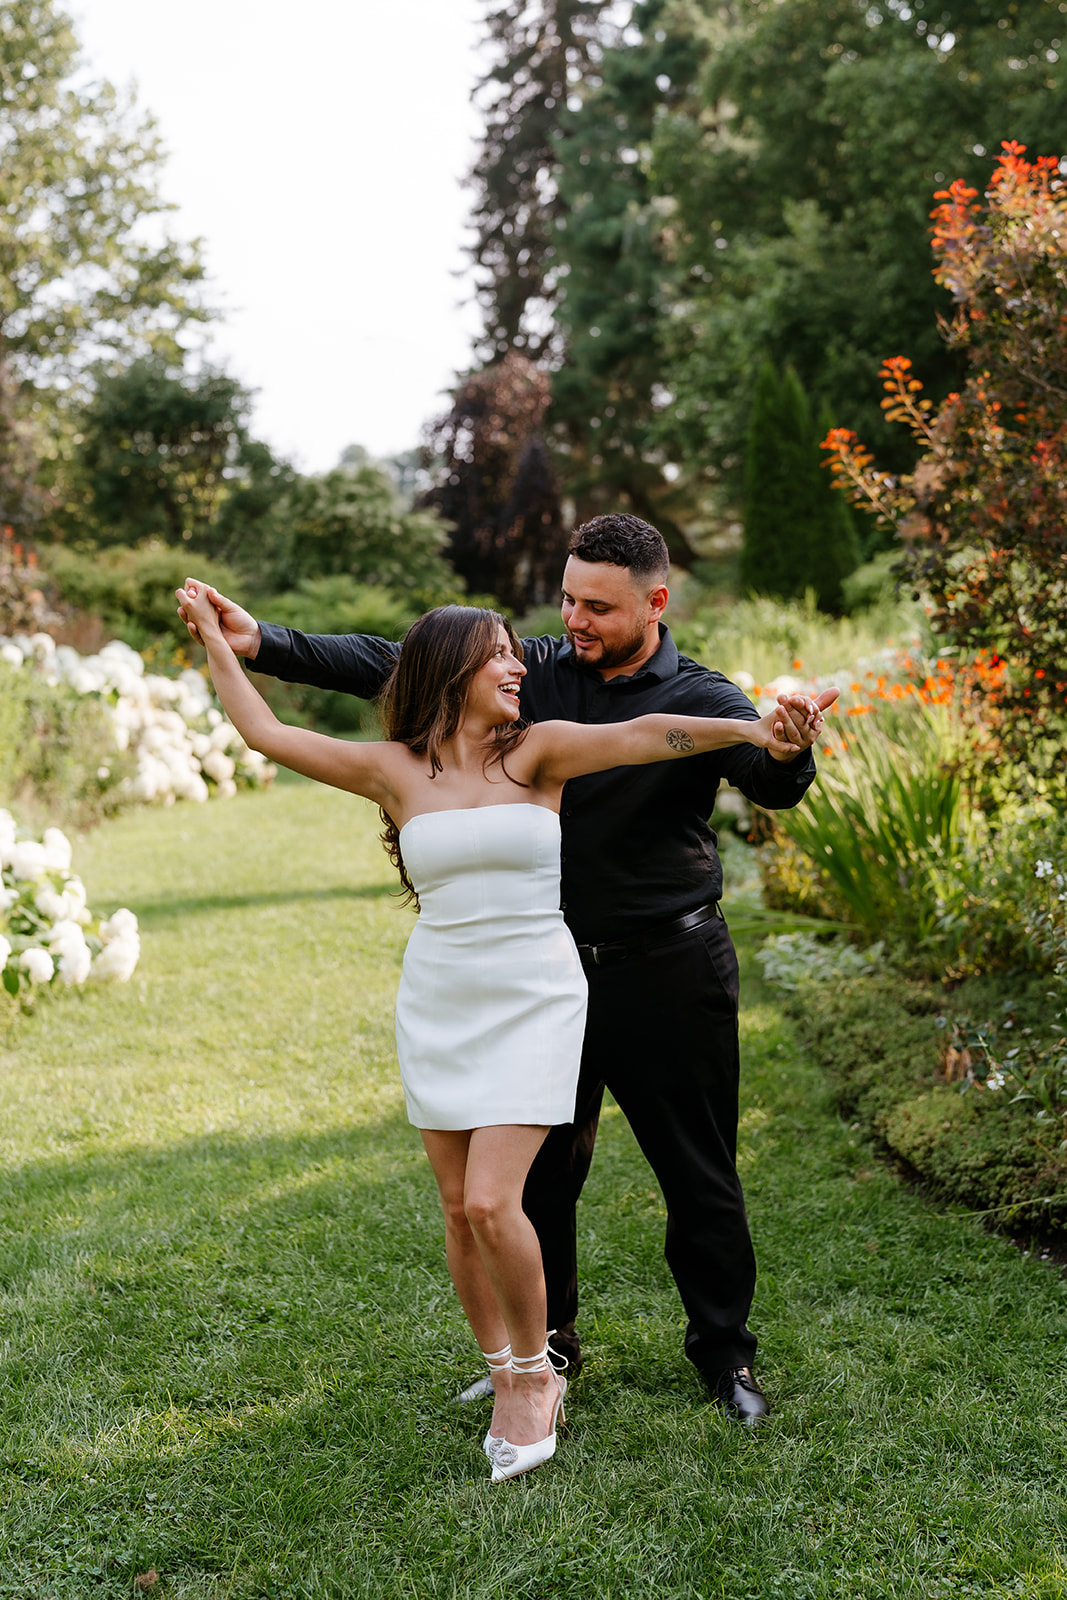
[(641, 885)]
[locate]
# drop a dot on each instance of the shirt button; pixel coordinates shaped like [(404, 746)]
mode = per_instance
[(568, 812)]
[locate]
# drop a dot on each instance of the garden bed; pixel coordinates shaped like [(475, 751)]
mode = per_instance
[(884, 1040)]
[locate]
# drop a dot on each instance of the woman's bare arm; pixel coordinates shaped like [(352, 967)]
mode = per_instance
[(360, 768), (563, 750)]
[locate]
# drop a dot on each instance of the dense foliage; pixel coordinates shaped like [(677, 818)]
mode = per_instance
[(496, 488), (80, 275), (540, 54), (984, 513), (798, 534), (735, 182)]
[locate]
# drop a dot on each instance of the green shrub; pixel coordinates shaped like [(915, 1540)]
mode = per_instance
[(768, 638), (799, 532), (352, 523), (890, 825), (132, 590), (334, 605), (878, 1037), (58, 762)]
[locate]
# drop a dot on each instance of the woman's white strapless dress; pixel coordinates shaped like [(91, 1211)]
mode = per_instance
[(490, 1012)]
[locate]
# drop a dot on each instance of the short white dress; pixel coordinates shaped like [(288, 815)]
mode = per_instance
[(490, 1013)]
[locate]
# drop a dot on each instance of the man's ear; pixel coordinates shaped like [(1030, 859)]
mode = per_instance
[(657, 602)]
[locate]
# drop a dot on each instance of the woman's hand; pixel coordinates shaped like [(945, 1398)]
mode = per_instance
[(238, 627), (197, 607), (798, 720)]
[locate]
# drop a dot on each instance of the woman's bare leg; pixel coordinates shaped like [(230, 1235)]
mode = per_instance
[(498, 1160), (448, 1158), (495, 1260)]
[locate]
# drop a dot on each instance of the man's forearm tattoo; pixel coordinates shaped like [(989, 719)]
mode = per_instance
[(679, 740)]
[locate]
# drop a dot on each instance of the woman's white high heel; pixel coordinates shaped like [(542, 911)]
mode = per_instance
[(509, 1460), (496, 1361)]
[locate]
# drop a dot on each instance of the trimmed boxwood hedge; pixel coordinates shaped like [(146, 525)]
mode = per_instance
[(879, 1040)]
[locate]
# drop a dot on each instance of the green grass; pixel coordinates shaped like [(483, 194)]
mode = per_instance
[(229, 1338)]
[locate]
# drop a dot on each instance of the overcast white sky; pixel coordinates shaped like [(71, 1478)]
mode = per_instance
[(317, 149)]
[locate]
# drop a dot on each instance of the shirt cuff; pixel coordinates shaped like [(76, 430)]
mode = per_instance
[(274, 650)]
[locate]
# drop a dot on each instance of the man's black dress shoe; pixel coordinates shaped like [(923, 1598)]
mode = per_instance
[(740, 1395)]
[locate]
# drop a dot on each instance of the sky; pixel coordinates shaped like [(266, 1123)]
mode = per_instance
[(318, 150)]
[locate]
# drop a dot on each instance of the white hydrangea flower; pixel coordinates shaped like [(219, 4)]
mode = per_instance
[(10, 652), (52, 904), (27, 860), (118, 959), (8, 898), (67, 946), (219, 766), (1044, 869), (57, 850), (5, 951), (37, 964), (122, 924)]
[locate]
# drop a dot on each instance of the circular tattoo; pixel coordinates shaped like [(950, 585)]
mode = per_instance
[(678, 739)]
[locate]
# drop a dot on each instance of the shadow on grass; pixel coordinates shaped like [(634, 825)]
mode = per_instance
[(169, 910)]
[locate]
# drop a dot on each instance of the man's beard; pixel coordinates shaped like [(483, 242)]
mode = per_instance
[(616, 655)]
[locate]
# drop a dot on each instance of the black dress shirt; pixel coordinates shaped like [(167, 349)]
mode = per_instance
[(637, 848)]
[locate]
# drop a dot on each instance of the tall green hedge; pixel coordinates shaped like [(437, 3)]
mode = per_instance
[(798, 530)]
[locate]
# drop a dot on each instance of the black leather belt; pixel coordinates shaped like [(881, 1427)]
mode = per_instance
[(600, 955)]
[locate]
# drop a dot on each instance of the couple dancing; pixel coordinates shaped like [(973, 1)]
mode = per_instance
[(509, 1026)]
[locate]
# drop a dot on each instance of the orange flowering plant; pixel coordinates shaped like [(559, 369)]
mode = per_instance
[(983, 516)]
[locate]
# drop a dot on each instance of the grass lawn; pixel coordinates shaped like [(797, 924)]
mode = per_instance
[(228, 1336)]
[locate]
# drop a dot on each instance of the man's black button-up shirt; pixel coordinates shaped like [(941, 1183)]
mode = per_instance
[(637, 848)]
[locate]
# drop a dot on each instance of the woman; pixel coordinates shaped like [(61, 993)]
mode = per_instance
[(491, 1007)]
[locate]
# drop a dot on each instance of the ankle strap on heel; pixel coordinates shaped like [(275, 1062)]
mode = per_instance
[(498, 1360), (546, 1360)]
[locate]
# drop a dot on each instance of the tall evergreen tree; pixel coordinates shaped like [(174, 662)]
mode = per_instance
[(795, 537), (544, 50), (496, 486), (614, 248)]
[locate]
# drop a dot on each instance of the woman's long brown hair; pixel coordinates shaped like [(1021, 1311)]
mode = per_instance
[(425, 695)]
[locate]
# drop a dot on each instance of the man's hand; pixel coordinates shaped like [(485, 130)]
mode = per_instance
[(238, 628), (799, 720)]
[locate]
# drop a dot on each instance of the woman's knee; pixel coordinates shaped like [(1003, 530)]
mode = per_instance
[(456, 1215), (486, 1210)]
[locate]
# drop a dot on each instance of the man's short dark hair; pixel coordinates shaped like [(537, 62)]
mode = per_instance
[(622, 541)]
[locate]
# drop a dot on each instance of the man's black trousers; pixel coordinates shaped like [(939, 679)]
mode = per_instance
[(662, 1036)]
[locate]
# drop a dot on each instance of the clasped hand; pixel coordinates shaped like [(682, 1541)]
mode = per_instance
[(799, 719)]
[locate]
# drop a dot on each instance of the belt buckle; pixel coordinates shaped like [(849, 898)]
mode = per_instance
[(618, 950)]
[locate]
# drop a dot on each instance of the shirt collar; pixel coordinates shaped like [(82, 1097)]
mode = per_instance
[(660, 667)]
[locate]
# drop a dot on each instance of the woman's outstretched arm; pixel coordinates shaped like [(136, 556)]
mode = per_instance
[(563, 750), (360, 768)]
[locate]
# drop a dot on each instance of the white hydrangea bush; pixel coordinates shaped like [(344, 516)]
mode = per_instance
[(48, 934), (183, 746)]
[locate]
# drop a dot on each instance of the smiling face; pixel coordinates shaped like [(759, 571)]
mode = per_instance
[(611, 618), (494, 689)]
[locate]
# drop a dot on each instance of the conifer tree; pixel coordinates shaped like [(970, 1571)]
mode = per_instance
[(795, 537), (543, 49)]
